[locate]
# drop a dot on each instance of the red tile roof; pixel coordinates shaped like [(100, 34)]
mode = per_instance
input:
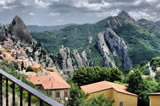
[(154, 94), (49, 80), (104, 85), (51, 68), (158, 69)]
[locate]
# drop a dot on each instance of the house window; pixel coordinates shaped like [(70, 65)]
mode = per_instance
[(121, 104), (57, 94), (65, 93), (49, 93)]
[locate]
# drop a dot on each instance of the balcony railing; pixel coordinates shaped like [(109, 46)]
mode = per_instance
[(5, 77)]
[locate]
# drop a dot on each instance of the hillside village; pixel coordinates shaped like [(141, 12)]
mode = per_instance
[(35, 72), (88, 86)]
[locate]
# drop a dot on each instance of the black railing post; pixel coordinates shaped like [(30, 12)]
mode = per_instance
[(1, 90), (41, 102), (21, 96), (13, 94), (29, 99), (31, 92), (7, 92)]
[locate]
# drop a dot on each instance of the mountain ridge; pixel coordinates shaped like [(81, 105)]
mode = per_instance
[(128, 29), (39, 28)]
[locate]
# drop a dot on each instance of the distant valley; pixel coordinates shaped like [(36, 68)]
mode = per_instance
[(36, 28)]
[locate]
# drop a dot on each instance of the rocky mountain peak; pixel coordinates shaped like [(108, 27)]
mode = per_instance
[(125, 17), (124, 14), (19, 30), (17, 19), (142, 20), (145, 21)]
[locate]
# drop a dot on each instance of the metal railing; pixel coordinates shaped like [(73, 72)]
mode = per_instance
[(43, 99)]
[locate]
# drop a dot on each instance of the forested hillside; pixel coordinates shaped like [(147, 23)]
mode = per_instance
[(142, 42)]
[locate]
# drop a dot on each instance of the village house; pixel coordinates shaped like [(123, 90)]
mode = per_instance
[(158, 69), (8, 44), (36, 67), (23, 62), (21, 53), (117, 92), (53, 83), (8, 56), (154, 99)]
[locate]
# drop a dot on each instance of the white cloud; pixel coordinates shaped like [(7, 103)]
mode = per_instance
[(152, 1), (142, 14), (54, 14), (158, 5), (4, 2), (91, 6), (31, 14), (137, 2), (80, 11), (26, 3), (42, 4), (108, 13)]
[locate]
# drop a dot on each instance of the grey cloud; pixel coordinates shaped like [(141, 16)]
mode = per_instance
[(75, 11)]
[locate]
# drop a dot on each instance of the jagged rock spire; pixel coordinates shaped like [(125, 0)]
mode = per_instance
[(124, 15), (19, 29)]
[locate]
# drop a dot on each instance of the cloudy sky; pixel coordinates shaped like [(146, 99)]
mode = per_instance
[(57, 12)]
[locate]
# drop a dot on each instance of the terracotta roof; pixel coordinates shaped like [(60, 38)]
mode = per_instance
[(9, 57), (154, 94), (104, 85), (158, 69), (36, 66), (52, 68), (49, 80), (30, 74), (3, 50)]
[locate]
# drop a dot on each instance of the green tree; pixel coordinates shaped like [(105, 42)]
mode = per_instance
[(105, 74), (134, 80), (157, 77), (100, 100), (22, 66), (29, 69), (147, 86), (77, 96), (141, 87), (88, 75), (115, 74)]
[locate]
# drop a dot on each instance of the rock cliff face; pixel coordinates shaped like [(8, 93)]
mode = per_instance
[(2, 33), (18, 29), (109, 43), (39, 54), (104, 50), (118, 47), (69, 60), (118, 21), (65, 60), (18, 33)]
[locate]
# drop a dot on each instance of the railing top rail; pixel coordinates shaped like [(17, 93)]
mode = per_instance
[(31, 90)]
